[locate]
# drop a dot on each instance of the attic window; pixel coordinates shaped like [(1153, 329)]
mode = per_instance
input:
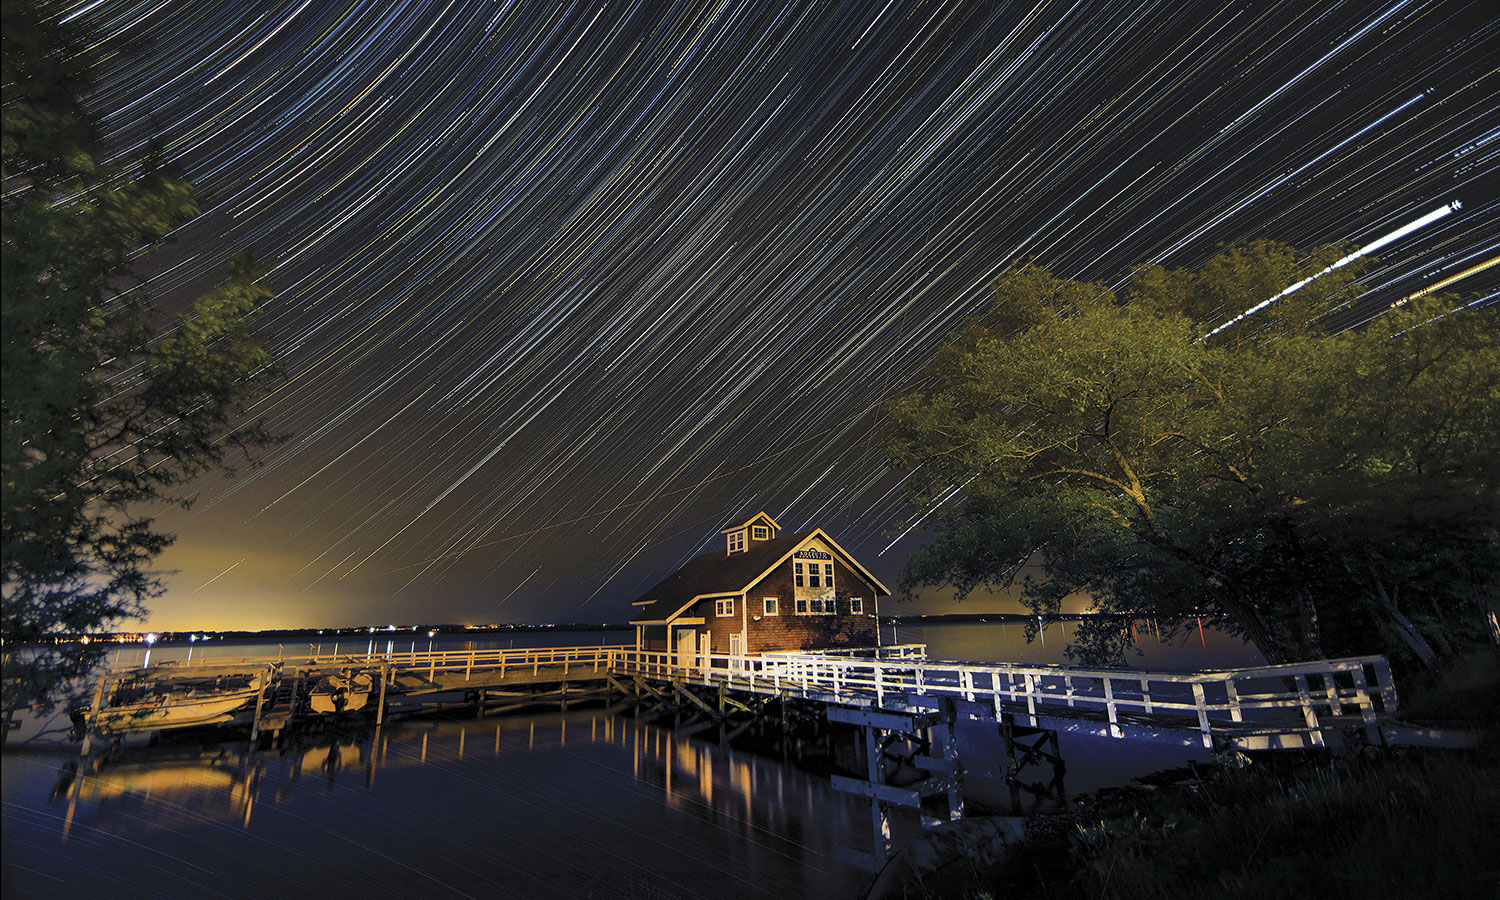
[(812, 577), (737, 542), (760, 532)]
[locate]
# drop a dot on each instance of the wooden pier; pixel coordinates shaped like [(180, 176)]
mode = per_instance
[(401, 683), (1293, 706), (907, 709)]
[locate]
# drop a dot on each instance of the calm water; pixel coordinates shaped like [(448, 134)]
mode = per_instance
[(546, 805)]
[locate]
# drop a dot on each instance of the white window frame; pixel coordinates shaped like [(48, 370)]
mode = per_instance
[(811, 576), (724, 607), (856, 606), (760, 532), (737, 541), (772, 606), (816, 606)]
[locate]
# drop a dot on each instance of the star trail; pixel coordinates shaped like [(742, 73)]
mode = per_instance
[(561, 288)]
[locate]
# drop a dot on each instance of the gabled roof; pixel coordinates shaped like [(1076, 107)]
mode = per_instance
[(716, 574), (745, 521)]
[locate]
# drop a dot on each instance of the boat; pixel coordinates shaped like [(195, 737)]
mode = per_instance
[(347, 690), (154, 700)]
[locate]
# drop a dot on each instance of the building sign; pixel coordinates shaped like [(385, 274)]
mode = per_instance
[(812, 554)]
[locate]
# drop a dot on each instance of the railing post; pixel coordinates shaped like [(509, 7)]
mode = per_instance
[(1366, 705), (1146, 694), (1109, 705), (1233, 693), (1387, 686), (1030, 681), (1202, 704)]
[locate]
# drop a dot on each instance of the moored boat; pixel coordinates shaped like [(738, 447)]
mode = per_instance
[(347, 690), (150, 702)]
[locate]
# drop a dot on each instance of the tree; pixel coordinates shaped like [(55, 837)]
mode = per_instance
[(1318, 491), (109, 406)]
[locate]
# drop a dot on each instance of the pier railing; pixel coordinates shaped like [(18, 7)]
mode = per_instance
[(1280, 705), (429, 662)]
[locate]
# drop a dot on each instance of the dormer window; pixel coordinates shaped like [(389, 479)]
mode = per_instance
[(741, 532)]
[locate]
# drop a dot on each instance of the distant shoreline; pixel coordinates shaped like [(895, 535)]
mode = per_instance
[(452, 629)]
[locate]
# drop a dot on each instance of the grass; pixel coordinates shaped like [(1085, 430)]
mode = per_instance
[(1384, 823), (1403, 825)]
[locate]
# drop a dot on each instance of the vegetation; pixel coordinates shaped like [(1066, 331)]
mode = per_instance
[(109, 406), (1320, 492), (1399, 825)]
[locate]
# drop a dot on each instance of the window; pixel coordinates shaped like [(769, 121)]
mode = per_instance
[(724, 606), (770, 606), (856, 606), (815, 606), (760, 532), (818, 575), (737, 542)]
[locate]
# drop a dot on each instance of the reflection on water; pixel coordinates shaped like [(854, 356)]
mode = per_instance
[(537, 806)]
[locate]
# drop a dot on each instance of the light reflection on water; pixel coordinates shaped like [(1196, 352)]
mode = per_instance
[(536, 806)]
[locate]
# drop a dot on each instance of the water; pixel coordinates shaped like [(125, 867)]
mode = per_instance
[(580, 804), (553, 805), (1198, 647)]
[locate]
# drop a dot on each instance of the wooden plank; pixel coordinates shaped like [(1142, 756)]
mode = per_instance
[(883, 792), (885, 721)]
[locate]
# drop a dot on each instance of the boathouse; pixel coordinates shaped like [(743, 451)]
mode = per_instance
[(761, 592)]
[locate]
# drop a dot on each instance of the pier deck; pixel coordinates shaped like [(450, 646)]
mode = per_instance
[(1267, 707), (1290, 706)]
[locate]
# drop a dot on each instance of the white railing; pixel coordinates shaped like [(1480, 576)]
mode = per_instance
[(571, 659), (1297, 698)]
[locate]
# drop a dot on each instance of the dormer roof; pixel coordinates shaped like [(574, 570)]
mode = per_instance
[(746, 521)]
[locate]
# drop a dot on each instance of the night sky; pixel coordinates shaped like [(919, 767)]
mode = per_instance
[(562, 288)]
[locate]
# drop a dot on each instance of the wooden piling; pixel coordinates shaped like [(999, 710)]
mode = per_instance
[(385, 677)]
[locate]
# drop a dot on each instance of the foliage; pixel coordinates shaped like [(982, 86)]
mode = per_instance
[(1418, 825), (108, 405), (1318, 491)]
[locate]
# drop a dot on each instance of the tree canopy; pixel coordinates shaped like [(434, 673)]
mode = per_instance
[(109, 406), (1323, 492)]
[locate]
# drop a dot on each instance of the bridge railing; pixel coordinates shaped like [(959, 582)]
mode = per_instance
[(1300, 698)]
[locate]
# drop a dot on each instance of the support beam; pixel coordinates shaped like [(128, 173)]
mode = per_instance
[(693, 698)]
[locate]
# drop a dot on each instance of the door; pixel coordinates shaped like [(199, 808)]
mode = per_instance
[(737, 650), (686, 645)]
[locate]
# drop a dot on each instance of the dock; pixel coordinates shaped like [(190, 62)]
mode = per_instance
[(907, 709)]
